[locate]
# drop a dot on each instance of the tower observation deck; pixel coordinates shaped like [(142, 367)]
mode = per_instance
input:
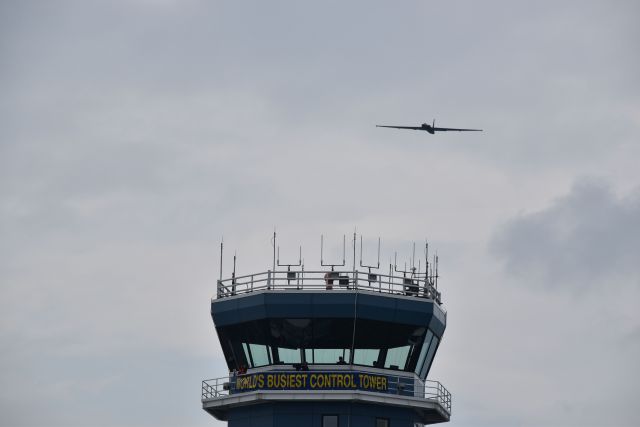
[(331, 347)]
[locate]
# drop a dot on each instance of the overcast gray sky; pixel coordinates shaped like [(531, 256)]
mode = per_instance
[(134, 134)]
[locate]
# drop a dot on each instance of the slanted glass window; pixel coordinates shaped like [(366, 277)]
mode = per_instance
[(427, 362), (331, 333), (330, 421), (289, 355), (259, 354), (331, 355), (382, 422), (397, 357), (245, 347), (386, 343), (365, 356), (365, 342), (423, 351)]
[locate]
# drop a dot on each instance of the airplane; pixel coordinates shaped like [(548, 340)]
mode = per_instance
[(430, 128)]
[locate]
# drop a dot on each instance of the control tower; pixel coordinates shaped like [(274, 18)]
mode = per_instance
[(339, 346)]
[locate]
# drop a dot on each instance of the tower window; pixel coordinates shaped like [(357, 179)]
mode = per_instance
[(329, 421), (382, 422)]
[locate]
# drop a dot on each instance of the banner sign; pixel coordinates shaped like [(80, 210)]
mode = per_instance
[(312, 380)]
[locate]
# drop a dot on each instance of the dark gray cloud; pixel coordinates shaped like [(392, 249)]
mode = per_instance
[(588, 237)]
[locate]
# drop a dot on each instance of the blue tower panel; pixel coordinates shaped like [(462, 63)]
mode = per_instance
[(350, 414), (227, 313), (328, 305), (251, 309), (292, 305), (438, 322), (338, 305), (375, 308), (413, 312)]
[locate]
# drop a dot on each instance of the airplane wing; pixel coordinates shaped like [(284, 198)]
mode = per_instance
[(458, 130), (402, 127)]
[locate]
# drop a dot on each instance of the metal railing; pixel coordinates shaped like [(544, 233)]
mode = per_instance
[(436, 391), (416, 286), (399, 385)]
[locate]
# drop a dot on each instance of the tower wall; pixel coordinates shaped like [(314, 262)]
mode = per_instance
[(310, 415)]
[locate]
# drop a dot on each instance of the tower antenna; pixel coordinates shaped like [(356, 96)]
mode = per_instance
[(273, 243), (221, 248), (369, 266), (353, 243), (233, 275), (234, 265), (371, 278), (344, 247), (413, 260), (290, 265), (412, 269), (434, 271), (426, 260), (437, 274)]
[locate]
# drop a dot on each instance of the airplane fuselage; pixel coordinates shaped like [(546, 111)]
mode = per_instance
[(428, 128)]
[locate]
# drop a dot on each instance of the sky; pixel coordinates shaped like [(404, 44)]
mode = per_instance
[(135, 134)]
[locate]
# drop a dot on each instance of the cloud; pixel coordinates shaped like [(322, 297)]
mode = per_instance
[(589, 236)]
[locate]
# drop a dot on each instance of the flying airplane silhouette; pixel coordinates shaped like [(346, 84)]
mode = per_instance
[(430, 128)]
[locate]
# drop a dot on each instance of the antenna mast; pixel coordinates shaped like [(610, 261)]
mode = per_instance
[(221, 247), (273, 243), (437, 275), (354, 250), (427, 278), (412, 270), (344, 247), (369, 266)]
